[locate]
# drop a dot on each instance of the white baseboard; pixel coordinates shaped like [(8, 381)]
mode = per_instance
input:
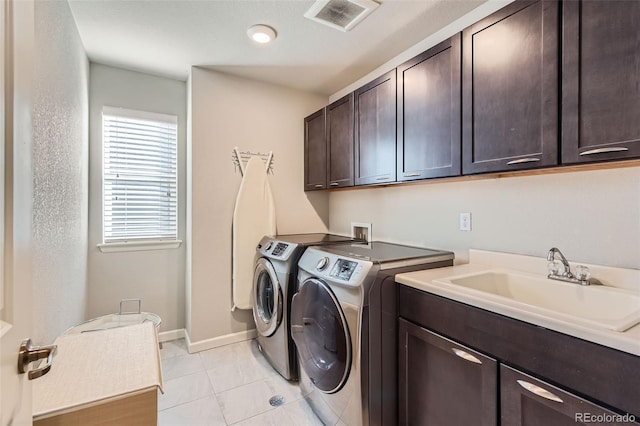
[(203, 345), (166, 336)]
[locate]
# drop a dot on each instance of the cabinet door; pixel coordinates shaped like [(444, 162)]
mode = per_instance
[(429, 117), (510, 80), (527, 401), (443, 383), (340, 141), (600, 81), (315, 151), (375, 131)]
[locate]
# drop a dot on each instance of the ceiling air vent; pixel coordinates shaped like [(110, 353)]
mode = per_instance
[(342, 15)]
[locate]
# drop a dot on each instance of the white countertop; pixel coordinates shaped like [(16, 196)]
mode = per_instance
[(483, 261), (95, 367)]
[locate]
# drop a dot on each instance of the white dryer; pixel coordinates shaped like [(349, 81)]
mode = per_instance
[(274, 283), (330, 323)]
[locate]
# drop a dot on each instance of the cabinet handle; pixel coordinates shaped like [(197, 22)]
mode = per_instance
[(538, 391), (605, 150), (411, 174), (383, 178), (319, 186), (465, 355), (523, 160), (334, 184)]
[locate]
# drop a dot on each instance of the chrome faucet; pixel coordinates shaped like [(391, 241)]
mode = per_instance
[(582, 277)]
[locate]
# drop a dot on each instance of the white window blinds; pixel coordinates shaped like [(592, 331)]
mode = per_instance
[(139, 176)]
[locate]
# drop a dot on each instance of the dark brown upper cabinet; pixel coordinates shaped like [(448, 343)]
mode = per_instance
[(375, 131), (340, 142), (429, 117), (315, 151), (600, 81), (510, 89)]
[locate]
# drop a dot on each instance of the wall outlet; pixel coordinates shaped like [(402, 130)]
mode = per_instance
[(361, 231), (465, 221)]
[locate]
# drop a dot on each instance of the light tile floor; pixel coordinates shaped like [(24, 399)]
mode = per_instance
[(229, 385)]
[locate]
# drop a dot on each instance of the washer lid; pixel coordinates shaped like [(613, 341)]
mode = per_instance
[(316, 239), (267, 298), (390, 255), (320, 332)]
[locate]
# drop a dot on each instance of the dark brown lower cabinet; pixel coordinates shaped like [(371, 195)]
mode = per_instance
[(444, 383), (527, 401), (461, 365)]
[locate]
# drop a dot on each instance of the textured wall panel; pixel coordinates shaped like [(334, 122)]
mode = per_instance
[(60, 161)]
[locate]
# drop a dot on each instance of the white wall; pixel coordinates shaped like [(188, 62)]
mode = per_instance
[(155, 276), (592, 216), (60, 163), (228, 111)]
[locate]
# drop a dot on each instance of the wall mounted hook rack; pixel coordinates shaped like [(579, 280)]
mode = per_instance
[(240, 158)]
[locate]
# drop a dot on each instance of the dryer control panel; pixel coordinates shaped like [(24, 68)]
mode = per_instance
[(279, 249), (343, 269), (333, 268), (274, 249)]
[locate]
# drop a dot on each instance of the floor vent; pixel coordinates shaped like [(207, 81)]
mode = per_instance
[(342, 15), (276, 400)]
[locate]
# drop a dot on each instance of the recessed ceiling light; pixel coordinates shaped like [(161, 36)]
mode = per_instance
[(261, 33)]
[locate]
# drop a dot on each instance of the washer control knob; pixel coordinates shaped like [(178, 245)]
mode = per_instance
[(322, 264), (269, 245)]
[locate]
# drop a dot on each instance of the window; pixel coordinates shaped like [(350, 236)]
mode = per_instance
[(139, 176)]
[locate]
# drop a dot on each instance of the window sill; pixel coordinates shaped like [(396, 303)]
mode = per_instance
[(139, 246)]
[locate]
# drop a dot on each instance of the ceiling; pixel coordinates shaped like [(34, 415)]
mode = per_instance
[(167, 37)]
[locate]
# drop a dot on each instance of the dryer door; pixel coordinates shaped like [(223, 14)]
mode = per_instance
[(267, 298), (320, 332)]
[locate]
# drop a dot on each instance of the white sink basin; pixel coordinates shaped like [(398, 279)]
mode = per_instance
[(601, 306)]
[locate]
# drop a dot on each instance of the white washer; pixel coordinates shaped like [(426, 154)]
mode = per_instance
[(274, 283), (330, 322)]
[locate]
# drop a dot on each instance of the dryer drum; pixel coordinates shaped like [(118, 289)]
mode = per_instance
[(320, 332), (265, 298), (267, 305)]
